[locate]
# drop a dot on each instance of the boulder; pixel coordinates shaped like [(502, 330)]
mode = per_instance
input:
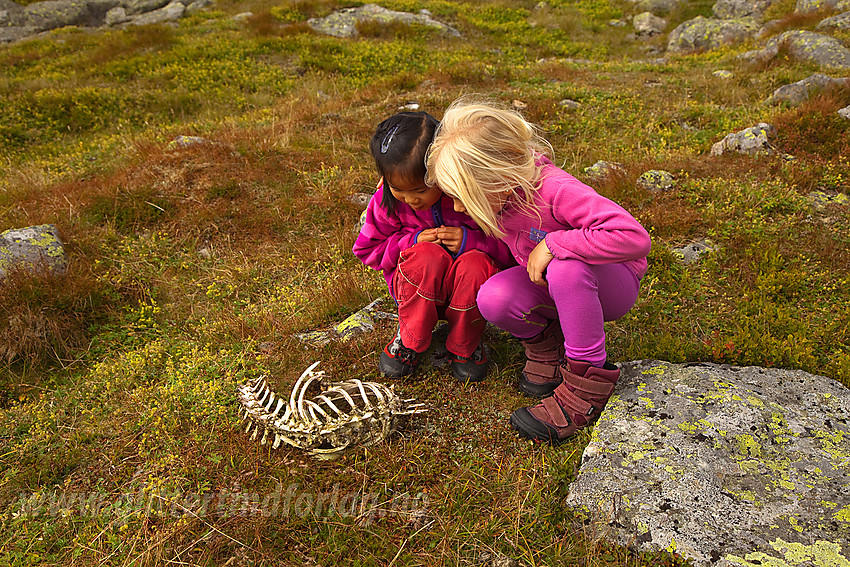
[(727, 466), (8, 10), (9, 34), (171, 12), (753, 141), (801, 91), (732, 9), (813, 47), (839, 22), (647, 24), (706, 33), (139, 6), (52, 14), (344, 22), (33, 248)]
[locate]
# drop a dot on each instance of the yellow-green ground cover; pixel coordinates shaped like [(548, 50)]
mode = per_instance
[(192, 267)]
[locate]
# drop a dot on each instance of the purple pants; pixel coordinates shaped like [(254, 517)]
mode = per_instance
[(581, 296)]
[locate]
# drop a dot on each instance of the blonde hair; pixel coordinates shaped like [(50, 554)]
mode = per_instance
[(482, 153)]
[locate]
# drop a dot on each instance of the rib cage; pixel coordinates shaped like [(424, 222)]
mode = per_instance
[(346, 414)]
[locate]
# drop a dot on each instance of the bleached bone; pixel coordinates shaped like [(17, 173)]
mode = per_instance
[(345, 415)]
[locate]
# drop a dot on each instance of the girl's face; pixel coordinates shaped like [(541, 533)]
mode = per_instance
[(416, 194)]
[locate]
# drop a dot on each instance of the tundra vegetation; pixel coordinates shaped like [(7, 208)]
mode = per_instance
[(192, 266)]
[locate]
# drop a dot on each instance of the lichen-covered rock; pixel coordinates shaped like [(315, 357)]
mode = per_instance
[(33, 248), (344, 22), (648, 24), (169, 13), (731, 9), (822, 199), (727, 466), (52, 14), (655, 180), (692, 252), (754, 140), (809, 6), (603, 169), (140, 6), (801, 91), (706, 33), (838, 22), (812, 47)]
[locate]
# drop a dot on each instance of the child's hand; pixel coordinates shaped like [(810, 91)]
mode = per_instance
[(451, 237), (428, 235), (537, 262)]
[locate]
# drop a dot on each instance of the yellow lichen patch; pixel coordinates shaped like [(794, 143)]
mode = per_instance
[(655, 370), (748, 446), (820, 554), (843, 515), (754, 401)]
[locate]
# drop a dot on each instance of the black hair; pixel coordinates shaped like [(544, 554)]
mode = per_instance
[(399, 146)]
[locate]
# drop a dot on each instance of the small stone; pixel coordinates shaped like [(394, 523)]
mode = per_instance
[(617, 23), (360, 199), (690, 253), (844, 112), (518, 105), (602, 169), (821, 199), (205, 253), (409, 107), (723, 74), (656, 180), (569, 104)]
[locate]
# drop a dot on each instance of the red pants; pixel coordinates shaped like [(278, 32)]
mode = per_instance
[(430, 285)]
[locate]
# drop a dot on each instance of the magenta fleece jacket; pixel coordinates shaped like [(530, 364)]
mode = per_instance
[(577, 223), (383, 237)]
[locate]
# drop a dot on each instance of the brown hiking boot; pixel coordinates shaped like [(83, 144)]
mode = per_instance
[(544, 354), (576, 403)]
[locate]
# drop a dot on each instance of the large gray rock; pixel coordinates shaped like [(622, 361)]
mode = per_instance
[(344, 22), (706, 33), (8, 10), (839, 22), (33, 248), (133, 7), (727, 466), (52, 14), (801, 91), (806, 46), (731, 9), (173, 11)]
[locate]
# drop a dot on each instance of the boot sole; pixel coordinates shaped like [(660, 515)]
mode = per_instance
[(533, 430)]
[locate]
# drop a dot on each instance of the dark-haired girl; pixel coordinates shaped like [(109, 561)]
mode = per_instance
[(433, 258)]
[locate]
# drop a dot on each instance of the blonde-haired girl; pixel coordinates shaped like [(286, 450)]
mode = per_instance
[(581, 259)]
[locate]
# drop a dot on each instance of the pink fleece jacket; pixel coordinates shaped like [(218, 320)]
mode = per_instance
[(383, 237), (576, 222)]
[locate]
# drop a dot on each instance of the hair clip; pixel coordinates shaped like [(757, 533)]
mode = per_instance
[(385, 145)]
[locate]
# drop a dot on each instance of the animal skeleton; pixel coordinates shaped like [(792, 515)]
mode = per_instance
[(344, 415)]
